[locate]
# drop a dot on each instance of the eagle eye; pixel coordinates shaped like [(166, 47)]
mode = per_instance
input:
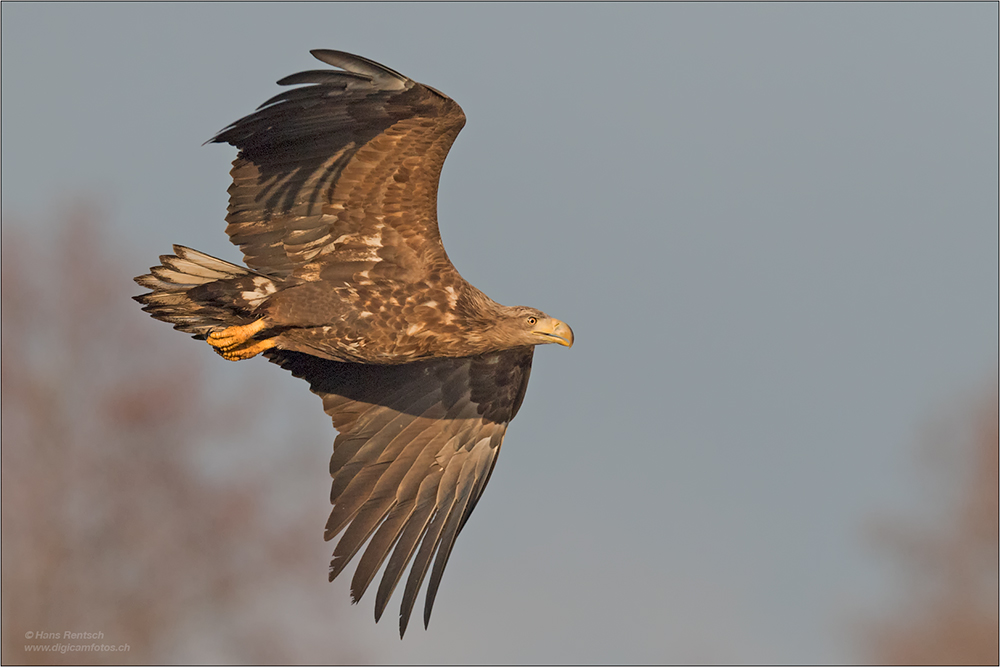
[(532, 319)]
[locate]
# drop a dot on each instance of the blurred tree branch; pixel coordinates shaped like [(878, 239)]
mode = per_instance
[(949, 613), (109, 524)]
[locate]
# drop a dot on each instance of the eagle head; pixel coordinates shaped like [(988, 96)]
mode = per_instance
[(521, 325)]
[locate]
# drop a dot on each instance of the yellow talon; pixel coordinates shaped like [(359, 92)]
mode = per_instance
[(236, 343), (232, 337), (246, 350)]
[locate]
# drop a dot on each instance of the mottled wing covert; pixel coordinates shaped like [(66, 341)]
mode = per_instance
[(416, 447), (339, 176)]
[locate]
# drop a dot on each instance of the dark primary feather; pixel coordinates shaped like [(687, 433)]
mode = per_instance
[(416, 447), (383, 76)]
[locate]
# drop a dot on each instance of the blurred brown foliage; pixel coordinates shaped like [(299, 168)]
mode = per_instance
[(949, 612), (110, 524)]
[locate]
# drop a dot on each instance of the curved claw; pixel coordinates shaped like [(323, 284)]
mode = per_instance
[(231, 337), (246, 350), (235, 343)]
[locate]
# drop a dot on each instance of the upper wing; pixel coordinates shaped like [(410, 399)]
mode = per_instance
[(340, 176), (417, 445)]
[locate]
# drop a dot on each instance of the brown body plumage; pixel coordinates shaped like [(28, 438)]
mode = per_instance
[(334, 205)]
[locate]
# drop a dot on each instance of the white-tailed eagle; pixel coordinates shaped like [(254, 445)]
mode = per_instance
[(348, 286)]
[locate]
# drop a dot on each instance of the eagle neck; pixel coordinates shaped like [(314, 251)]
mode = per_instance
[(480, 317)]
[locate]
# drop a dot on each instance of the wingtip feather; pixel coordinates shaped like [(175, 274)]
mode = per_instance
[(384, 77)]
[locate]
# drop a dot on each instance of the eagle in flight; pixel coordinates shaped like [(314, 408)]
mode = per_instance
[(348, 286)]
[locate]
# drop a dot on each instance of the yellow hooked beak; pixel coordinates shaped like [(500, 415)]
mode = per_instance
[(554, 331)]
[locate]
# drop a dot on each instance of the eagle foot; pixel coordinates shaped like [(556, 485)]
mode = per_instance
[(235, 343), (232, 337), (245, 350)]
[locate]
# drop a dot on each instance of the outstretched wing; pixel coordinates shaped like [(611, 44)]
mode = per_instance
[(340, 176), (417, 445)]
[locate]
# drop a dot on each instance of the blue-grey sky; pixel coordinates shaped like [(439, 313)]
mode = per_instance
[(773, 228)]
